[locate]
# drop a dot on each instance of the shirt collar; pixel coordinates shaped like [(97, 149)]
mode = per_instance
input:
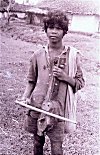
[(66, 49)]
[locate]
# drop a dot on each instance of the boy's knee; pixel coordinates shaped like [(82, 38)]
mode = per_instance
[(39, 140), (56, 148), (38, 144)]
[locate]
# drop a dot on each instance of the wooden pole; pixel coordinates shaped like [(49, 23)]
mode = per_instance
[(22, 103)]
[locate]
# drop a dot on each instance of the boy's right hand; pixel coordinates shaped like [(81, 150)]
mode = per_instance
[(23, 99)]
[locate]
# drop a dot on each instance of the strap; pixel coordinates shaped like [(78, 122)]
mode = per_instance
[(68, 50)]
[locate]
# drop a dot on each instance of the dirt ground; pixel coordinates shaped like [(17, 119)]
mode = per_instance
[(18, 41)]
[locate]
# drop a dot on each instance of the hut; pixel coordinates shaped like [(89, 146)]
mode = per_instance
[(18, 9), (35, 15), (84, 16)]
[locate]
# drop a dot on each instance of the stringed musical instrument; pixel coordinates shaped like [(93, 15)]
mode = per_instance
[(50, 103)]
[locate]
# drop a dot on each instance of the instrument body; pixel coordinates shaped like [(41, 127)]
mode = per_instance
[(51, 104)]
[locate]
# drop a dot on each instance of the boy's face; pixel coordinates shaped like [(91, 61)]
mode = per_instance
[(54, 33)]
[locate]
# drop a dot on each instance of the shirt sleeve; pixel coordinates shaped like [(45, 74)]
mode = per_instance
[(32, 71), (79, 80)]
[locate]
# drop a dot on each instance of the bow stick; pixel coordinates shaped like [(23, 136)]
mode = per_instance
[(22, 103)]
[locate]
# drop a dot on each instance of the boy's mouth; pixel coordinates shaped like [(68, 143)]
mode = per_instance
[(53, 37)]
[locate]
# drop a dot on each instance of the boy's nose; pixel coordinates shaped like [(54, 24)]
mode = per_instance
[(54, 30)]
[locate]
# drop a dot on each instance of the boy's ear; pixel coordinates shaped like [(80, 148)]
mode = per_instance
[(64, 33)]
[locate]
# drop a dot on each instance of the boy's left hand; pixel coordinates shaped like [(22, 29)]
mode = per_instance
[(60, 73)]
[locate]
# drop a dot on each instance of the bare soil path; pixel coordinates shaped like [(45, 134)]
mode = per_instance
[(15, 55)]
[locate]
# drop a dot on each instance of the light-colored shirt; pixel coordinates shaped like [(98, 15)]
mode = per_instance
[(40, 72)]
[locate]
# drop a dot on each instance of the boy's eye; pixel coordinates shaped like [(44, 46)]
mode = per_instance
[(51, 27), (55, 26), (59, 28)]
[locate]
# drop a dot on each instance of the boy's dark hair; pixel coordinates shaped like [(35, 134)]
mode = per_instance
[(56, 17)]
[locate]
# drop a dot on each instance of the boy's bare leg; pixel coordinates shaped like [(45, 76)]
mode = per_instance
[(38, 144), (56, 138), (56, 148)]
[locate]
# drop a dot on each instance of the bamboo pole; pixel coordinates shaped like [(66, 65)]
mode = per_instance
[(22, 103)]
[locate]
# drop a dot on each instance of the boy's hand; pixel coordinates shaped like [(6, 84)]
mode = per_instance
[(25, 100), (60, 73)]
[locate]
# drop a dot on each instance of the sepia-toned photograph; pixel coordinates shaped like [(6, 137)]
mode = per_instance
[(49, 77)]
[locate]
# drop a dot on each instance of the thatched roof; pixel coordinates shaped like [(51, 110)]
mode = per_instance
[(37, 11), (74, 6), (18, 8), (4, 3)]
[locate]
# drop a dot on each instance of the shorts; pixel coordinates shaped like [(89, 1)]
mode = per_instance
[(30, 123), (55, 134)]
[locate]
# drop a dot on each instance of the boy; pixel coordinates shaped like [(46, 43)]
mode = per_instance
[(68, 79)]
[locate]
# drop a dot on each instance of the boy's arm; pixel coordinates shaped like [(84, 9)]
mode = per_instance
[(31, 77), (76, 82), (78, 79), (28, 90)]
